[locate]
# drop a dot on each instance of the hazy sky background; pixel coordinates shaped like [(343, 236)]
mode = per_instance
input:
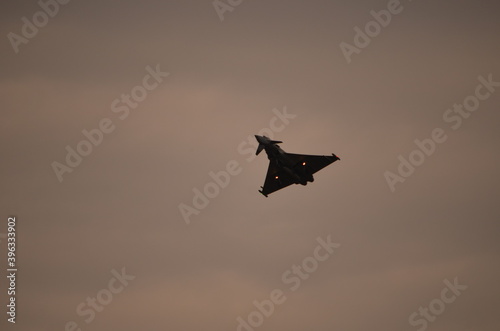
[(120, 207)]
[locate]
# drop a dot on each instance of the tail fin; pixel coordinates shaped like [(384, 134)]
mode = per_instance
[(259, 149), (262, 146)]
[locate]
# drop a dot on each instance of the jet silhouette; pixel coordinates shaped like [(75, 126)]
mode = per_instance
[(286, 168)]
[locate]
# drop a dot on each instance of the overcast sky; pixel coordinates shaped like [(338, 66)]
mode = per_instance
[(171, 92)]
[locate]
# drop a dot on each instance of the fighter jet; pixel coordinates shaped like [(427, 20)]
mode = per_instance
[(286, 168)]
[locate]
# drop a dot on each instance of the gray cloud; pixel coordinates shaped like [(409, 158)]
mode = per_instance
[(119, 208)]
